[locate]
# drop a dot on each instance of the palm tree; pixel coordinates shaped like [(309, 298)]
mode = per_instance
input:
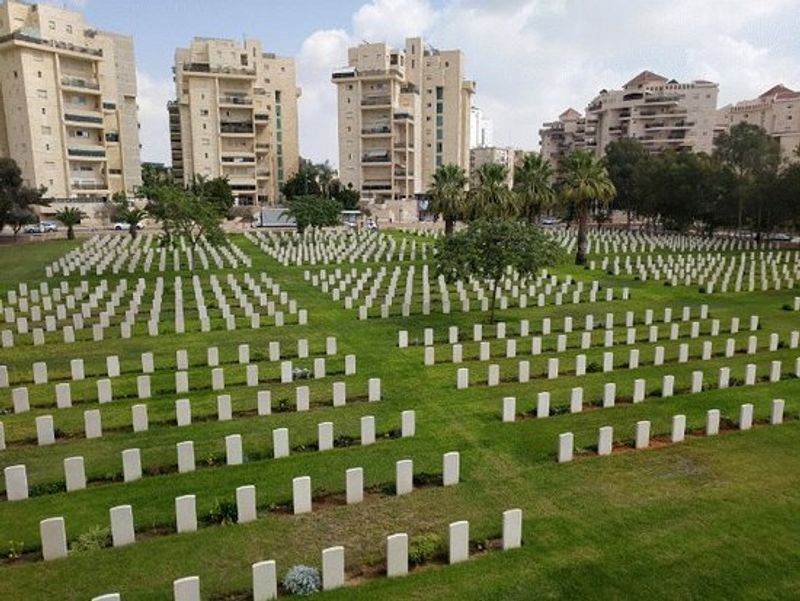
[(491, 196), (70, 217), (533, 186), (126, 213), (448, 195), (585, 183)]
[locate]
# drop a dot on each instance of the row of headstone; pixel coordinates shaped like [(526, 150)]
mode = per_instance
[(16, 479), (605, 440)]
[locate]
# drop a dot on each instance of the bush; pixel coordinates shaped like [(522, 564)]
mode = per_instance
[(302, 580), (223, 512), (422, 549), (593, 367), (92, 540)]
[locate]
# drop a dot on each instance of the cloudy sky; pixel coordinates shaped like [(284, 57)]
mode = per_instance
[(530, 58)]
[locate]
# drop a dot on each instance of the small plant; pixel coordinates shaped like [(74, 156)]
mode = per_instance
[(424, 548), (223, 512), (427, 479), (787, 307), (15, 549), (593, 367), (301, 373), (48, 488), (92, 540), (302, 580)]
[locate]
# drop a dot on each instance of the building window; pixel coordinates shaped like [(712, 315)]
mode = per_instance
[(204, 112), (69, 28), (39, 73), (46, 130), (51, 24), (44, 111), (41, 94)]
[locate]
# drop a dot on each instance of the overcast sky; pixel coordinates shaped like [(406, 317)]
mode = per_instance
[(531, 58)]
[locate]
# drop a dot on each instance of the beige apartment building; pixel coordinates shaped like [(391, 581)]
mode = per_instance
[(235, 116), (662, 114), (402, 114), (493, 154), (68, 112), (777, 110)]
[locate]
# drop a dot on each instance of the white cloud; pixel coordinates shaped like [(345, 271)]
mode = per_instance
[(154, 93), (392, 20)]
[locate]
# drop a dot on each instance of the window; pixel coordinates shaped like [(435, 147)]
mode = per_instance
[(46, 130), (39, 73), (44, 111), (51, 24), (206, 155), (204, 112), (41, 94), (69, 28)]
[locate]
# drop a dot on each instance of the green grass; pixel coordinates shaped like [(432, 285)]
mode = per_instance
[(711, 518)]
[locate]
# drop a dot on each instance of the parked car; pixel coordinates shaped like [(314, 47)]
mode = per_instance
[(779, 237), (42, 227), (549, 221), (48, 226), (34, 228), (122, 226)]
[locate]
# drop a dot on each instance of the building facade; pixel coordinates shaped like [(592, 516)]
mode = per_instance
[(68, 113), (235, 116), (662, 114), (493, 154), (402, 113), (777, 110), (481, 129)]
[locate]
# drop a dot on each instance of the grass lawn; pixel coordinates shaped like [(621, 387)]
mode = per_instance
[(709, 518)]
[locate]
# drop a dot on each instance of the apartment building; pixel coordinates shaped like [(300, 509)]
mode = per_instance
[(402, 113), (661, 113), (68, 112), (481, 129), (777, 110), (235, 116), (493, 154)]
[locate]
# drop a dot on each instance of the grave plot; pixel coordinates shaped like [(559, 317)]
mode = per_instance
[(711, 272), (50, 313), (412, 290), (118, 254), (315, 247), (615, 243)]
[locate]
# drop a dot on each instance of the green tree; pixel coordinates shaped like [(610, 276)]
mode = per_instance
[(314, 211), (303, 183), (533, 185), (215, 192), (448, 195), (126, 212), (491, 197), (182, 212), (485, 249), (754, 156), (347, 197), (16, 199), (70, 217), (622, 159), (585, 185)]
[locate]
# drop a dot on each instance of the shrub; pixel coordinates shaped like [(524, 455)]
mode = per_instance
[(302, 580), (223, 512), (48, 488), (422, 549), (593, 367), (92, 540)]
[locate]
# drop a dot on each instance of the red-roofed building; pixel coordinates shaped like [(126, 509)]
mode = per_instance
[(777, 110)]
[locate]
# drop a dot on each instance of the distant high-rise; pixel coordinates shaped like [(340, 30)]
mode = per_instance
[(402, 114), (68, 112), (660, 113), (481, 129), (777, 110), (493, 154), (235, 116)]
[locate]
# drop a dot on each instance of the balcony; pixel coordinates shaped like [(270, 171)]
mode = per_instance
[(375, 157), (80, 82), (376, 186), (83, 118), (236, 127), (378, 129), (109, 106), (236, 100), (87, 153), (112, 136), (206, 68), (262, 174), (403, 116), (263, 117), (345, 73), (88, 185), (18, 36), (375, 101), (242, 159)]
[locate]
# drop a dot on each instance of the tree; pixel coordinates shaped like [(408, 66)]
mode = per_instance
[(533, 186), (16, 199), (347, 197), (314, 211), (622, 159), (585, 184), (485, 249), (70, 217), (754, 156), (216, 192), (182, 212), (305, 182), (491, 196), (448, 195), (125, 212)]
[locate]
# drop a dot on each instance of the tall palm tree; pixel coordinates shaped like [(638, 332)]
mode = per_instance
[(491, 196), (585, 183), (70, 217), (533, 185), (448, 195)]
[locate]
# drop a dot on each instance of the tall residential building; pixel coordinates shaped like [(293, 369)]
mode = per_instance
[(235, 116), (402, 114), (481, 129), (777, 110), (662, 114), (493, 154), (67, 103)]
